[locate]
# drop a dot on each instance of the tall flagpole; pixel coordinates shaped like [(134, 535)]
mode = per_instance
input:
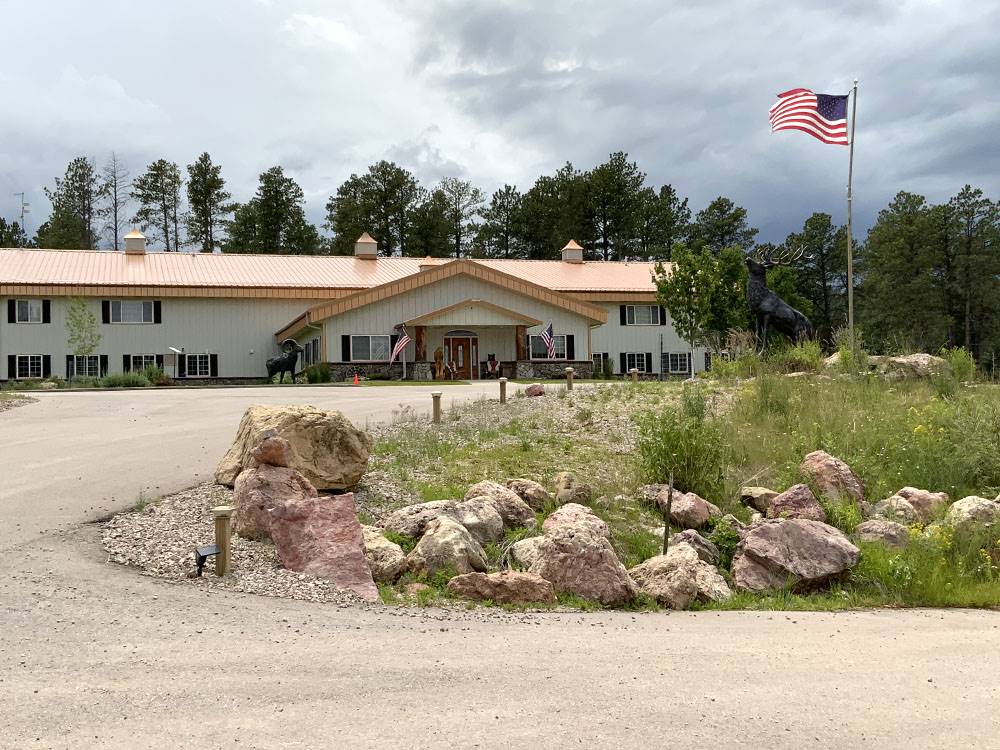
[(850, 238)]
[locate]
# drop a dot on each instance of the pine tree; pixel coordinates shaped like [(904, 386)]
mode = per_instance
[(273, 221), (208, 204), (613, 193), (158, 193), (464, 201), (12, 235), (76, 208), (115, 180), (821, 273), (498, 235), (722, 224)]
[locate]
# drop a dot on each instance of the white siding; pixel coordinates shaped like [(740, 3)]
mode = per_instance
[(240, 331), (615, 338)]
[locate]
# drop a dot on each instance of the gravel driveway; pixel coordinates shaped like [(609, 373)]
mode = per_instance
[(93, 655)]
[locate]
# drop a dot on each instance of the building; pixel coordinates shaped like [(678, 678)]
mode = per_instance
[(202, 316)]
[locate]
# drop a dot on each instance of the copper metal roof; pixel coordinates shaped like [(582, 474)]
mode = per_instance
[(106, 268)]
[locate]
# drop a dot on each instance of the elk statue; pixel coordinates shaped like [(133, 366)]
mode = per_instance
[(284, 362), (767, 309)]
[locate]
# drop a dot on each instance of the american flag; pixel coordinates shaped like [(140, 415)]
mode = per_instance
[(823, 116), (549, 340), (404, 339)]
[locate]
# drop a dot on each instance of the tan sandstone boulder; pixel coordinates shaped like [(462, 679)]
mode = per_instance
[(797, 501), (576, 516), (885, 532), (411, 520), (386, 559), (569, 489), (918, 365), (832, 477), (533, 493), (707, 552), (480, 516), (321, 536), (680, 577), (515, 512), (525, 552), (897, 508), (758, 498), (973, 511), (794, 552), (507, 587), (326, 448), (446, 544)]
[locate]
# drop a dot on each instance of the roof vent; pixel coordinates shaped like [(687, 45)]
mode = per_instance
[(366, 247), (135, 243), (572, 253)]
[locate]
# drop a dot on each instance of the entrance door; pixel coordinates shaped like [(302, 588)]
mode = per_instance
[(462, 352)]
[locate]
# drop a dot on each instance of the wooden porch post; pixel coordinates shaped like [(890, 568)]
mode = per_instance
[(521, 343), (419, 344)]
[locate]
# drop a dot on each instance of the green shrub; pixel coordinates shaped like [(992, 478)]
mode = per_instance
[(805, 356), (852, 360), (725, 538), (746, 366), (125, 380), (155, 375), (318, 373), (961, 363), (407, 543), (685, 441)]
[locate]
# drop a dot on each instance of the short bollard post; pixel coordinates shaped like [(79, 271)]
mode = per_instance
[(223, 531), (436, 414), (634, 372), (569, 378), (503, 390)]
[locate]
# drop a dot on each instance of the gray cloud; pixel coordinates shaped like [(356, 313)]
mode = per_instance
[(504, 92)]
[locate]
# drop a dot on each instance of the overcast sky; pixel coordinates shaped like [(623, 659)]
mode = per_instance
[(504, 91)]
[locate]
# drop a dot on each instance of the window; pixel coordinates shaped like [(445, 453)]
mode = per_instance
[(370, 348), (540, 351), (29, 311), (635, 360), (600, 362), (198, 365), (140, 362), (642, 315), (131, 311), (29, 366), (87, 367), (677, 363), (315, 350)]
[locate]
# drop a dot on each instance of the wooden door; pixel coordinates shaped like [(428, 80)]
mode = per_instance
[(461, 350)]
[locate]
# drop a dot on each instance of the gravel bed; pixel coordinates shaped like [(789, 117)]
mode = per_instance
[(10, 401)]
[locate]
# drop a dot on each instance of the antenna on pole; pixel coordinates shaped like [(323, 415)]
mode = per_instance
[(25, 209)]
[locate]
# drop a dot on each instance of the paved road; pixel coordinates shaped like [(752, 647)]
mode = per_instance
[(93, 655)]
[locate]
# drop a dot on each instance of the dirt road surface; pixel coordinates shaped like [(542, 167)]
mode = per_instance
[(95, 656)]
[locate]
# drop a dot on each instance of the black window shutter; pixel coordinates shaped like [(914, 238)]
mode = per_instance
[(159, 361), (663, 316), (345, 348), (104, 365), (570, 347), (105, 311), (213, 365), (46, 311), (649, 361), (392, 343), (621, 314), (126, 363), (157, 312), (69, 366), (623, 364), (46, 365), (12, 311), (11, 367), (182, 365)]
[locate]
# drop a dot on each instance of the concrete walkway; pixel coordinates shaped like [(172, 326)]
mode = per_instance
[(95, 656)]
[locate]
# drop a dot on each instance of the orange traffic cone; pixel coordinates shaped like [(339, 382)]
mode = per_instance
[(355, 379)]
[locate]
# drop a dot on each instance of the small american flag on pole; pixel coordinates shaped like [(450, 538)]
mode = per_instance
[(823, 116), (549, 340), (404, 339)]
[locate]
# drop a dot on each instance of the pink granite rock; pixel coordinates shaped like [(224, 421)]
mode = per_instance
[(535, 389), (832, 477), (273, 450), (578, 561), (688, 510), (507, 587), (924, 502), (576, 516), (258, 489), (797, 501), (321, 536)]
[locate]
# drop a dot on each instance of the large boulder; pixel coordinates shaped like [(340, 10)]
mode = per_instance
[(832, 477), (446, 545), (795, 552), (896, 508), (386, 559), (507, 587), (411, 520), (885, 532), (321, 536), (927, 504), (481, 517), (919, 365), (515, 512), (580, 562), (258, 489), (707, 552), (758, 498), (325, 447), (533, 493), (525, 551), (680, 577), (688, 510), (579, 517), (973, 511), (569, 489), (797, 501)]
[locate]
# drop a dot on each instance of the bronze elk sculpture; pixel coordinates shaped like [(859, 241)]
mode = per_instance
[(284, 362), (767, 309)]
